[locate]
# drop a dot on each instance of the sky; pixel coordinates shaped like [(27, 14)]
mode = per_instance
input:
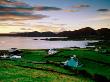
[(53, 15)]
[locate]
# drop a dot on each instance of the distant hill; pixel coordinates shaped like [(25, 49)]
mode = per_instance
[(87, 32)]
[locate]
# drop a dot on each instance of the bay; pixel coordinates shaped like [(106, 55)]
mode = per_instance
[(30, 43)]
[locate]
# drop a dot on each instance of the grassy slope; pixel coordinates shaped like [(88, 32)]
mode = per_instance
[(92, 61), (10, 71)]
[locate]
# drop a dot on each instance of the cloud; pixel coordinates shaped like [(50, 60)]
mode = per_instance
[(81, 6), (7, 24), (67, 10), (100, 17), (25, 29), (76, 8), (104, 15), (103, 10), (46, 8), (14, 4), (16, 17), (43, 28), (16, 10)]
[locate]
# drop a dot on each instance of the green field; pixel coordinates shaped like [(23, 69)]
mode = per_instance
[(33, 67)]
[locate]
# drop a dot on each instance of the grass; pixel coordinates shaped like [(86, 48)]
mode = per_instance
[(94, 62), (25, 70), (11, 73)]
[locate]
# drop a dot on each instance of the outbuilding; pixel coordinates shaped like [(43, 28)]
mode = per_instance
[(52, 51), (72, 62)]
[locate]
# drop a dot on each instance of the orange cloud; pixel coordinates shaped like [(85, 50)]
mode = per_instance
[(16, 10), (17, 17)]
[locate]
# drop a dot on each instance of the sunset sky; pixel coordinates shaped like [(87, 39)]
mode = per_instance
[(53, 15)]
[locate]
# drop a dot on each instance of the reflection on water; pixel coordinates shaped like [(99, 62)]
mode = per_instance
[(29, 43)]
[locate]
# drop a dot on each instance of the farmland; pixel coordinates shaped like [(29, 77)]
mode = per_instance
[(38, 66)]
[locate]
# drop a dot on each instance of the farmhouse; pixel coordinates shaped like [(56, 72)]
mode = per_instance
[(15, 56), (15, 53), (72, 62), (4, 54), (11, 53), (96, 49), (52, 51)]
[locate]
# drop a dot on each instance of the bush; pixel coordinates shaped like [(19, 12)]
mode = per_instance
[(85, 73), (100, 78)]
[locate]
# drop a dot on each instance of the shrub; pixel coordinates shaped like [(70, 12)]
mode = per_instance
[(84, 73), (100, 78)]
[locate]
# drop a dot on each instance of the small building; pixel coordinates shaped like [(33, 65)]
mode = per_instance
[(11, 53), (15, 56), (96, 49), (12, 49), (52, 51), (72, 62), (4, 56), (15, 53)]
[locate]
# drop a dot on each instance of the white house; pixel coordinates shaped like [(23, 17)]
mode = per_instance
[(52, 51), (4, 56), (15, 56), (15, 53), (96, 49), (12, 49)]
